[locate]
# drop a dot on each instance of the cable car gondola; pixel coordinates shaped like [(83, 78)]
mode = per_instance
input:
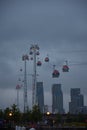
[(25, 57), (18, 86), (39, 63), (65, 68), (46, 59), (55, 74)]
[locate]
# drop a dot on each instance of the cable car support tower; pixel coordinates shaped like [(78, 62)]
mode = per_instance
[(25, 58), (34, 50)]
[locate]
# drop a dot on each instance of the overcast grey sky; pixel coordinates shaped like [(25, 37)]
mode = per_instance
[(59, 27)]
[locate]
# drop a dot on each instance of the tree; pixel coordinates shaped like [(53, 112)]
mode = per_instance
[(36, 115), (6, 113), (1, 114), (59, 117), (16, 114), (26, 117)]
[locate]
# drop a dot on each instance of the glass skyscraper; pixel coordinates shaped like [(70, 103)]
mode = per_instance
[(40, 96), (57, 99), (77, 100)]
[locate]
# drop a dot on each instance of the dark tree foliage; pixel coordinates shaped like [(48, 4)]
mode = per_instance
[(36, 115)]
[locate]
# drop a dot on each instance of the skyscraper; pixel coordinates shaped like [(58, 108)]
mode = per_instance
[(57, 99), (40, 95), (77, 101)]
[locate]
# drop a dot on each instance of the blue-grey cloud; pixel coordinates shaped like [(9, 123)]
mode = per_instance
[(59, 28)]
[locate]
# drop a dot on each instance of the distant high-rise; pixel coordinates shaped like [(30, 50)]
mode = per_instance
[(57, 99), (77, 101), (40, 95)]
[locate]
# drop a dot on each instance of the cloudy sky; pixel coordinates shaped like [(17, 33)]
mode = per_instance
[(59, 27)]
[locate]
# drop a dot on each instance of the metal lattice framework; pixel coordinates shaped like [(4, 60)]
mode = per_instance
[(25, 58), (34, 51)]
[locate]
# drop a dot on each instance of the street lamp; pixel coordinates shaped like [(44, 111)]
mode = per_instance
[(10, 114), (48, 113)]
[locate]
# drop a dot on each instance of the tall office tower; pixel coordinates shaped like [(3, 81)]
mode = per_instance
[(40, 95), (77, 101), (57, 99)]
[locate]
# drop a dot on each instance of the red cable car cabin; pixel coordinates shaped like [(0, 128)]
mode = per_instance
[(46, 59), (39, 63), (65, 68), (55, 74)]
